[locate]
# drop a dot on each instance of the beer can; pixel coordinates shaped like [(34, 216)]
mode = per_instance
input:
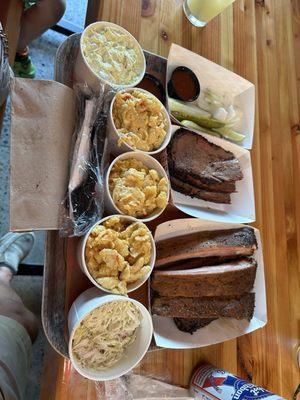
[(211, 383)]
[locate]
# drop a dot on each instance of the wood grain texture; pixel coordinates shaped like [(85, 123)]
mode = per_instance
[(260, 41)]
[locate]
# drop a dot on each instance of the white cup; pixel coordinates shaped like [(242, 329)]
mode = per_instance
[(84, 73), (113, 135), (150, 162), (81, 256), (82, 306)]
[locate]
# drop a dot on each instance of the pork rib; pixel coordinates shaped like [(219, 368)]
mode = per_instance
[(191, 325), (179, 307), (229, 243), (229, 279)]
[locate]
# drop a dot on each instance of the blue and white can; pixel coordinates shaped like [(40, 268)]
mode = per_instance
[(211, 383)]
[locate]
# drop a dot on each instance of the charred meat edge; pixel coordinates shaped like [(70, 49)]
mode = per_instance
[(206, 244)]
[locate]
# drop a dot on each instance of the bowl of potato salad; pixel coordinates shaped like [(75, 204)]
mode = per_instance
[(109, 54), (117, 254), (136, 184)]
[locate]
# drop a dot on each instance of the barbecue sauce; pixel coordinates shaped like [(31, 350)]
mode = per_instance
[(154, 86), (183, 85)]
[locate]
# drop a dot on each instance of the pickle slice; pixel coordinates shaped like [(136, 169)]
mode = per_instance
[(192, 125), (230, 134)]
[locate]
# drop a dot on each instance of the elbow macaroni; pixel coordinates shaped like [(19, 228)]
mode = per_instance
[(137, 190), (139, 120), (117, 253)]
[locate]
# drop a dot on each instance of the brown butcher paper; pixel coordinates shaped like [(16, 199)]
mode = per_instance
[(42, 124)]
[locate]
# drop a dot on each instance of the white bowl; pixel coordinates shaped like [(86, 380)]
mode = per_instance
[(84, 73), (82, 306), (150, 162), (81, 256), (114, 137)]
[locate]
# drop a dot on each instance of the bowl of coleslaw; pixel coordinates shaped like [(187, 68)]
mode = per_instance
[(109, 334)]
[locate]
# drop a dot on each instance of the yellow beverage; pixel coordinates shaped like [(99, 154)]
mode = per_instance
[(199, 12)]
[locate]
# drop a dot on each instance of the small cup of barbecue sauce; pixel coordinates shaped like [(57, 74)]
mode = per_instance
[(184, 84), (154, 86)]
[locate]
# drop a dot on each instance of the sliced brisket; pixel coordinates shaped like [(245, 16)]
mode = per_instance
[(192, 191), (224, 244), (203, 160), (226, 187)]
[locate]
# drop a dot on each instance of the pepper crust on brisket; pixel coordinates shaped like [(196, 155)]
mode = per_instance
[(198, 167)]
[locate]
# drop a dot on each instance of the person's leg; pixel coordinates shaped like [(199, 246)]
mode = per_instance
[(11, 305), (39, 18), (18, 326), (35, 21)]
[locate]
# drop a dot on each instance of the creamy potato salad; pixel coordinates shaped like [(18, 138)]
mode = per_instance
[(139, 119), (118, 252), (112, 55), (136, 189)]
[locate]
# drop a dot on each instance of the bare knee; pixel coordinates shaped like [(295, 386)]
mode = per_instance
[(16, 310)]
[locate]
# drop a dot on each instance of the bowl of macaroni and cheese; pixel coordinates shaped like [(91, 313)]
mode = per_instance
[(117, 254), (111, 55), (138, 121), (136, 184)]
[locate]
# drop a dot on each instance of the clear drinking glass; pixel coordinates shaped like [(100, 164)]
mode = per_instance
[(200, 12)]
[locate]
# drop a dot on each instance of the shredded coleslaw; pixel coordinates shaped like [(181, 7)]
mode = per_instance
[(102, 337)]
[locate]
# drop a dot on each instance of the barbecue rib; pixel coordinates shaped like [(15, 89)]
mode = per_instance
[(198, 166), (229, 279), (191, 325), (224, 244), (207, 307)]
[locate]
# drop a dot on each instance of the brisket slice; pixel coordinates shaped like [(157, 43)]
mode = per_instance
[(230, 279), (208, 307), (192, 191), (225, 187), (191, 325), (192, 153), (232, 243)]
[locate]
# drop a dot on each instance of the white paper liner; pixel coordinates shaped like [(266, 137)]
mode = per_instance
[(221, 81), (166, 333), (242, 207)]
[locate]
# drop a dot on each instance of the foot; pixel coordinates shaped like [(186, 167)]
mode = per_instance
[(23, 65), (14, 247)]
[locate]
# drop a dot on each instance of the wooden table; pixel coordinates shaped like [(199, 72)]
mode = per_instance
[(260, 41)]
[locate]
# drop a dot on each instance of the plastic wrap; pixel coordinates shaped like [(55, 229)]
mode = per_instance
[(4, 67), (83, 204), (138, 387)]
